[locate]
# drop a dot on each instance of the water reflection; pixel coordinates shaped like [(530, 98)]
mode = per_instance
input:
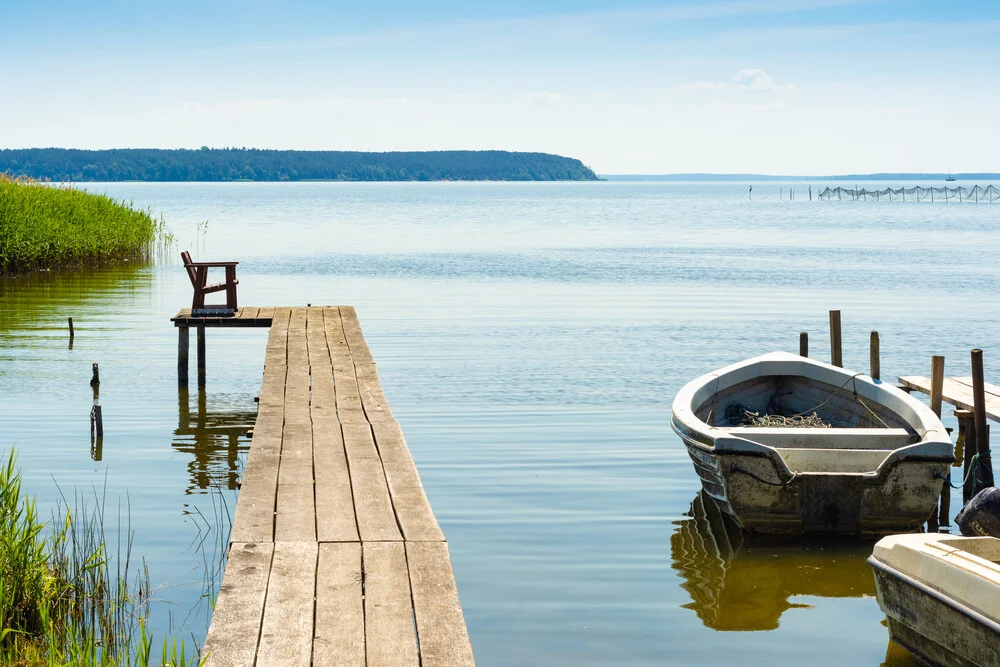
[(48, 298), (736, 584), (214, 436)]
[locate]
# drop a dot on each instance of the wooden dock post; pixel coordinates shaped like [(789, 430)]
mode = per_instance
[(836, 354), (939, 518), (71, 332), (874, 362), (968, 489), (937, 383), (804, 344), (183, 340), (201, 356), (983, 476)]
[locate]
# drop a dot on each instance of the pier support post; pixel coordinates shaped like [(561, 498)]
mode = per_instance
[(836, 354), (804, 344), (182, 356), (937, 390), (983, 476), (201, 356), (874, 362)]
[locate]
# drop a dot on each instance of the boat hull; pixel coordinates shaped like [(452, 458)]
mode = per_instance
[(900, 497), (932, 626)]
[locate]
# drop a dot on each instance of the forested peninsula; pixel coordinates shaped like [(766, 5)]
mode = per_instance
[(252, 164)]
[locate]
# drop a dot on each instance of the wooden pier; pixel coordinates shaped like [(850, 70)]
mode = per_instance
[(336, 557)]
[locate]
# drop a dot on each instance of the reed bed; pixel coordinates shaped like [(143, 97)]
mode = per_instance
[(43, 225), (63, 599)]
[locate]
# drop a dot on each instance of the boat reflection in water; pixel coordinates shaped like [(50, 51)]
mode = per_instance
[(737, 584)]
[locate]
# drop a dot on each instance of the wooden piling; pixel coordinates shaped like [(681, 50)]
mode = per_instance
[(968, 488), (183, 340), (804, 344), (937, 383), (836, 354), (874, 362), (71, 332), (984, 469), (201, 356), (95, 379)]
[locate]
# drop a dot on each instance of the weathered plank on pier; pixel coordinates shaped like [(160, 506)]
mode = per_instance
[(958, 392), (336, 556)]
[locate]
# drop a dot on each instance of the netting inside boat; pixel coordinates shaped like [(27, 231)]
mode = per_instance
[(738, 414)]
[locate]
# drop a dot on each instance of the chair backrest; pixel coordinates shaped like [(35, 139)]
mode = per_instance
[(186, 256)]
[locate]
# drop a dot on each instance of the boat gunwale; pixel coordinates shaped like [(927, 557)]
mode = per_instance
[(943, 598), (685, 422)]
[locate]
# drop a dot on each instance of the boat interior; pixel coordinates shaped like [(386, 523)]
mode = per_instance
[(862, 426)]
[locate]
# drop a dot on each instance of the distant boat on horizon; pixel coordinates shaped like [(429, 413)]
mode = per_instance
[(949, 178)]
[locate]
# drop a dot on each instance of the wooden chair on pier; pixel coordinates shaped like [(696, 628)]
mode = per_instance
[(198, 273)]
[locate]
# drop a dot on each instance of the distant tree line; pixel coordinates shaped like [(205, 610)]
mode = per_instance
[(233, 164)]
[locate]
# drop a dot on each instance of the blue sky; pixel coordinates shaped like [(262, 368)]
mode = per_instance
[(767, 86)]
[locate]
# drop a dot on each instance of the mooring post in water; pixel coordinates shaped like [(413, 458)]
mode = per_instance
[(939, 518), (836, 354), (71, 332), (201, 356), (937, 383), (804, 344), (183, 340), (96, 415), (874, 363), (968, 489), (984, 465)]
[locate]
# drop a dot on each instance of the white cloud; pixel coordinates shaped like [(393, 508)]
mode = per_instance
[(754, 79), (546, 97), (750, 79)]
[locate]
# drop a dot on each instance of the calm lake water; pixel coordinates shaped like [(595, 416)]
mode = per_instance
[(530, 339)]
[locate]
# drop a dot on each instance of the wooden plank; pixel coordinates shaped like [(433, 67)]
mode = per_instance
[(287, 631), (254, 518), (443, 636), (372, 503), (413, 511), (349, 407), (295, 515), (355, 339), (265, 313), (370, 389), (335, 518), (249, 313), (957, 393), (390, 637), (239, 608), (992, 390), (339, 637)]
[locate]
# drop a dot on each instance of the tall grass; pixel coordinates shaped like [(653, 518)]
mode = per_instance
[(60, 601), (44, 225)]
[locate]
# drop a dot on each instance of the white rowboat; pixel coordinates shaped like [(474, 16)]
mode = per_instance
[(877, 469)]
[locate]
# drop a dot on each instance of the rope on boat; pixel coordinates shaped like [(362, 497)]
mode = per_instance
[(738, 414), (973, 470), (735, 468)]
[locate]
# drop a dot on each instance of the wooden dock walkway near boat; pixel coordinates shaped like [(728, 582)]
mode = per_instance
[(958, 392), (336, 557)]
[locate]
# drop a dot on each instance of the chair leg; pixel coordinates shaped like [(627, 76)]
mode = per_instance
[(231, 287)]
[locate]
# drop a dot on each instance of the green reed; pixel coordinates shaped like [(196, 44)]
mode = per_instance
[(62, 602), (44, 225)]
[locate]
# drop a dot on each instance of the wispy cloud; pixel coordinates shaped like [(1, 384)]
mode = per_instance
[(748, 80), (546, 97)]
